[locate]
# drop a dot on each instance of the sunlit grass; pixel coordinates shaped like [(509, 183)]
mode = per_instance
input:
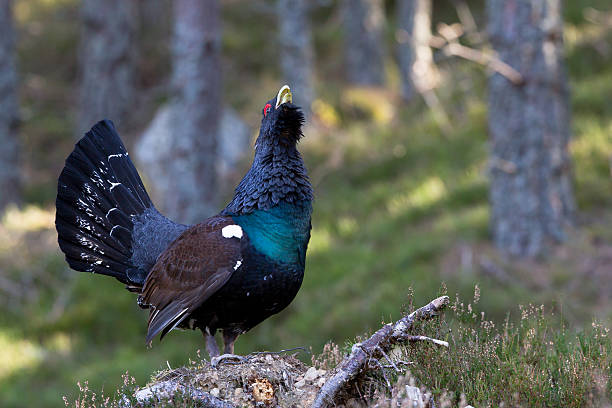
[(320, 240), (17, 354), (31, 218), (428, 192), (25, 10), (592, 153), (376, 103)]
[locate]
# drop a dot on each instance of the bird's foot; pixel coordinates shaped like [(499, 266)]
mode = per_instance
[(226, 358)]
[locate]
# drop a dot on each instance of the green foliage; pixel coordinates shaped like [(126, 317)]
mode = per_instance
[(535, 361)]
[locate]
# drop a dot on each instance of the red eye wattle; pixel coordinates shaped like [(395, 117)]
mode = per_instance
[(267, 109)]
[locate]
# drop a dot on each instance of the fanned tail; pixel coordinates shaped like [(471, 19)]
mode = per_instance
[(99, 198)]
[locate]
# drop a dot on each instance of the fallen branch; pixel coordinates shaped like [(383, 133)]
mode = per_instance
[(374, 348), (167, 390)]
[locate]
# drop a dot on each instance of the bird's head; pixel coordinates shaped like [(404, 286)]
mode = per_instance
[(278, 173), (281, 122)]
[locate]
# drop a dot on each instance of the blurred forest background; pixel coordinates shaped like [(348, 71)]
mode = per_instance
[(455, 141)]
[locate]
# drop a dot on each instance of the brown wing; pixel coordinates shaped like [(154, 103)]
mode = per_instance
[(195, 266)]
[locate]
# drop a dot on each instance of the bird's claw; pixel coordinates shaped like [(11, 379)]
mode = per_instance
[(226, 358)]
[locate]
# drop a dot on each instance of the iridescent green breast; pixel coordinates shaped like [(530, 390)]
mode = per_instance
[(281, 232)]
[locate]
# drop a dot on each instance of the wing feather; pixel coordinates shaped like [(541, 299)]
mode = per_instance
[(194, 267)]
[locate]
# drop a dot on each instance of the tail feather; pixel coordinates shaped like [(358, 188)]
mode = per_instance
[(72, 221), (125, 196), (100, 197)]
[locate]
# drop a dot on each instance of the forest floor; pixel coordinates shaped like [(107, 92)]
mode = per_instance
[(401, 214)]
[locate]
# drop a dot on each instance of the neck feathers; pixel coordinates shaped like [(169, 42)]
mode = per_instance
[(278, 174)]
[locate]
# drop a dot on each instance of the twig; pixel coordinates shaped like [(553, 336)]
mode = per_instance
[(256, 353), (483, 58), (467, 20), (388, 359), (447, 41), (382, 370), (401, 362), (425, 338), (382, 340)]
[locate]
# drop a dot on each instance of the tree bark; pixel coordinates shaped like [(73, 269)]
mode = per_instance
[(10, 183), (166, 390), (197, 88), (531, 191), (417, 69), (363, 22), (107, 62), (296, 49), (154, 152)]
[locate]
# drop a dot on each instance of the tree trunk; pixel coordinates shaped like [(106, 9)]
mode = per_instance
[(417, 69), (107, 62), (296, 49), (10, 184), (154, 152), (529, 123), (197, 89), (153, 43), (363, 42)]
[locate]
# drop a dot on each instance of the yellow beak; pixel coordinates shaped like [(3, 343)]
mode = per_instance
[(284, 96)]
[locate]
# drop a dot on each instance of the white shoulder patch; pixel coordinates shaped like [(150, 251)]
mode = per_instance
[(231, 231)]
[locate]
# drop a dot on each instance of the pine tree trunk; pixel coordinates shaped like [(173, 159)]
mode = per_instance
[(197, 89), (363, 22), (417, 69), (531, 190), (296, 49), (9, 144), (107, 62), (154, 32)]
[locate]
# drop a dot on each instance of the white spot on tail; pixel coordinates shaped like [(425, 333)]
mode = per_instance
[(238, 263), (117, 155), (248, 293), (230, 231), (113, 185)]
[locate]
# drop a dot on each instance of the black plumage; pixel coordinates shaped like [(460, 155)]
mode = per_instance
[(229, 272)]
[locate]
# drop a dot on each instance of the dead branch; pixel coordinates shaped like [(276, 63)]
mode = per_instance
[(414, 339), (167, 389), (467, 21), (374, 348), (447, 41), (491, 61)]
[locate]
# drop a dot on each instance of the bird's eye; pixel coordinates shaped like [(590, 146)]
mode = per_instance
[(267, 109)]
